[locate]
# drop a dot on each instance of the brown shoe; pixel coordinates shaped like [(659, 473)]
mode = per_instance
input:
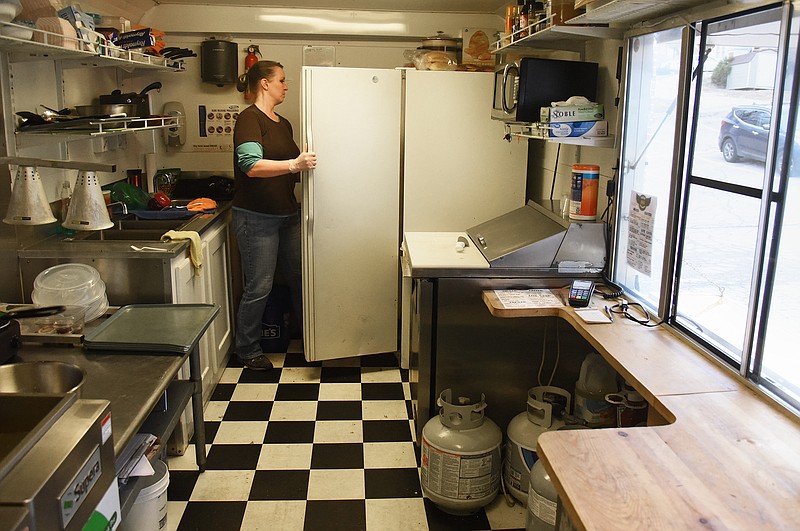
[(258, 363)]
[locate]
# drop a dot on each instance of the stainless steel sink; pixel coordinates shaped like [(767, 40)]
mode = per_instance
[(138, 224), (132, 229), (24, 419), (142, 235)]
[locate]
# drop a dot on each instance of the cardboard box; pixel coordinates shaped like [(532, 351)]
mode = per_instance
[(578, 129), (572, 113), (476, 47)]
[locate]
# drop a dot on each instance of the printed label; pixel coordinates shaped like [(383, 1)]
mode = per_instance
[(463, 476), (541, 507)]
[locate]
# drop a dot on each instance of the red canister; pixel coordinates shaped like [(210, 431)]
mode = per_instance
[(585, 182)]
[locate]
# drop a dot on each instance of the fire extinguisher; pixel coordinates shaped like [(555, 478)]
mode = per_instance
[(251, 58)]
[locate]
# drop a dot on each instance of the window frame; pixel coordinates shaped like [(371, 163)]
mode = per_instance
[(772, 199)]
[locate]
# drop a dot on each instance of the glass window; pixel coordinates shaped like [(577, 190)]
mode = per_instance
[(727, 261), (653, 77)]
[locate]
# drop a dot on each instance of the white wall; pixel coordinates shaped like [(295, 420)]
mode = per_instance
[(543, 155)]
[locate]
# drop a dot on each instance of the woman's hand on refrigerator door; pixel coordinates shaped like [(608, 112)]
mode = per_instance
[(306, 161)]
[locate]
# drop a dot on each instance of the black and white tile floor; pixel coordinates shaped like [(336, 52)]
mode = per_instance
[(313, 446)]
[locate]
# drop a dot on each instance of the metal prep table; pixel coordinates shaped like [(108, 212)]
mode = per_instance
[(449, 338), (134, 382)]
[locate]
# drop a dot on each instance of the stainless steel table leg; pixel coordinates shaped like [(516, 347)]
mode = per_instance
[(196, 376)]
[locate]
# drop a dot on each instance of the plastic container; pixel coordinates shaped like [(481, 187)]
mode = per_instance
[(149, 511), (596, 380), (67, 277), (585, 182), (70, 321)]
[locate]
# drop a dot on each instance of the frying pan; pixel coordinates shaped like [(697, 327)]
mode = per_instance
[(131, 103), (9, 327)]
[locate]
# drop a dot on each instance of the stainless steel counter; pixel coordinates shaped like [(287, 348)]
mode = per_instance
[(132, 382), (131, 277)]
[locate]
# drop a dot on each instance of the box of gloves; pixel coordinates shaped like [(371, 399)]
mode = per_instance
[(595, 128), (585, 112)]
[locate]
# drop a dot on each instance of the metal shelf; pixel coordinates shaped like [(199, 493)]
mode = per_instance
[(104, 126), (78, 52), (556, 36), (628, 11), (538, 131)]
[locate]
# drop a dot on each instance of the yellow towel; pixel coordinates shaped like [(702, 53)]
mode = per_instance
[(195, 246)]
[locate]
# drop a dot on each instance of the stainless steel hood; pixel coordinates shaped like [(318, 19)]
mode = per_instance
[(536, 237)]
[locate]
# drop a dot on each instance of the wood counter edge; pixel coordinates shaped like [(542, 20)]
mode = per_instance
[(599, 335)]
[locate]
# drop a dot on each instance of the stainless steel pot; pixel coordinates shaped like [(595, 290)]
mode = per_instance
[(98, 109), (131, 103), (442, 43)]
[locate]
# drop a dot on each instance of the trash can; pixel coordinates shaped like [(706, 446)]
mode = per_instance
[(275, 321)]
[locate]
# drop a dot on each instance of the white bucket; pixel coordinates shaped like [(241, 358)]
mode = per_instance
[(149, 511)]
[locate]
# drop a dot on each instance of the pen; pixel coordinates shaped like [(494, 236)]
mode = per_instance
[(610, 317)]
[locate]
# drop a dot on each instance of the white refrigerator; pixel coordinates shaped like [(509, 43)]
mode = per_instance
[(351, 210), (393, 155)]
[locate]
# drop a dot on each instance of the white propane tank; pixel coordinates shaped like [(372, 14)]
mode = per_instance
[(460, 462), (543, 499), (523, 432), (596, 380)]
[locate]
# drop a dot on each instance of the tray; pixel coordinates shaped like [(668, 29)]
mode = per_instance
[(153, 328)]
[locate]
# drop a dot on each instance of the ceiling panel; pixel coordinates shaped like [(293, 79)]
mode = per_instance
[(436, 6)]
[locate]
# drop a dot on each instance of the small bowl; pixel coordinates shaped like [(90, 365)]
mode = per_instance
[(41, 378)]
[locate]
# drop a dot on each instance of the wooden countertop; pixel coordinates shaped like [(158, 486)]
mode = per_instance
[(729, 459)]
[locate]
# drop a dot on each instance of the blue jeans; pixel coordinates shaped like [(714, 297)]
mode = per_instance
[(263, 240)]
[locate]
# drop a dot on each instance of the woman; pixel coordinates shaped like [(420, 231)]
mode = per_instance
[(266, 216)]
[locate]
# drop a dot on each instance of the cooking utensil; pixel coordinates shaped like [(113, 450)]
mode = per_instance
[(10, 337), (126, 109), (20, 313), (117, 96), (131, 103), (135, 248)]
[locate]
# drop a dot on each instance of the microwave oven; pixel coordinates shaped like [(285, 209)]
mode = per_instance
[(522, 88)]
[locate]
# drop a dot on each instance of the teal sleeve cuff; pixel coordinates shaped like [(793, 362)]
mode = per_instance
[(247, 154)]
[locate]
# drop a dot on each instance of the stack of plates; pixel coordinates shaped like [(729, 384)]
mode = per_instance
[(71, 285)]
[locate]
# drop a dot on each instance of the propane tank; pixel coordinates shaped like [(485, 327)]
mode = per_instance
[(545, 411), (460, 462), (251, 58), (543, 499)]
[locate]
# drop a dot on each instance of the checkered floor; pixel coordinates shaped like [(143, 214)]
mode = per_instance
[(313, 446)]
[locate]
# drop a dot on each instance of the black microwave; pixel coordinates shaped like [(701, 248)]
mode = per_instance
[(523, 87)]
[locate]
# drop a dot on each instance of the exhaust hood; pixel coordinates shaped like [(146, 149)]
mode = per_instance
[(535, 237)]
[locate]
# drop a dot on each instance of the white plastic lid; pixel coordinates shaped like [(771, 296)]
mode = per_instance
[(67, 277)]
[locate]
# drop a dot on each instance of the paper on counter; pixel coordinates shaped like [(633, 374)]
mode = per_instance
[(592, 315), (528, 298)]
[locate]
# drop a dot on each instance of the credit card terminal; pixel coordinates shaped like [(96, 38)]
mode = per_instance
[(580, 293)]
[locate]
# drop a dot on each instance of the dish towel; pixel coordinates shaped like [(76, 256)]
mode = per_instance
[(195, 247)]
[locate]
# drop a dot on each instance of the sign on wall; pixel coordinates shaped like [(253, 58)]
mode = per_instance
[(640, 231), (215, 125)]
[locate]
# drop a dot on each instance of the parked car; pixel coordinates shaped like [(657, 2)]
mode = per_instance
[(744, 134)]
